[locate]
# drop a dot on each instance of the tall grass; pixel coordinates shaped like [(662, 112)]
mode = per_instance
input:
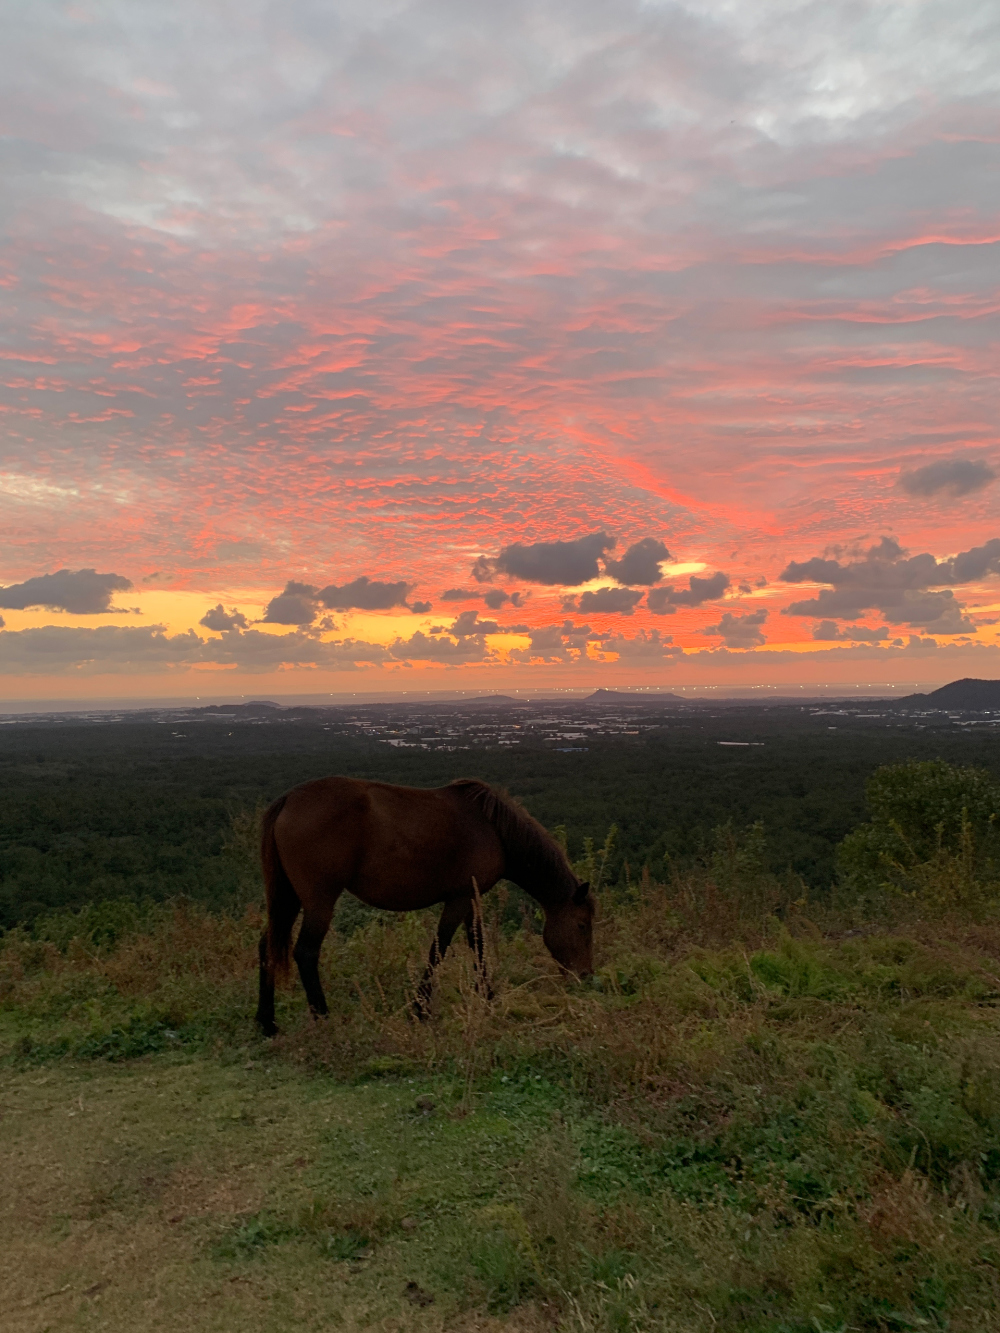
[(760, 1114)]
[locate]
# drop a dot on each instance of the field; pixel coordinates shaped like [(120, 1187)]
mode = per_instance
[(773, 1109)]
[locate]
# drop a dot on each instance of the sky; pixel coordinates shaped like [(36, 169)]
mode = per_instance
[(449, 344)]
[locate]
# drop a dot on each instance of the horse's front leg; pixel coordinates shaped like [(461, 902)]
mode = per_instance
[(474, 934), (452, 917)]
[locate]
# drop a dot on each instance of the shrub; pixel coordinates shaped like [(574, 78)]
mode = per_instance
[(933, 837)]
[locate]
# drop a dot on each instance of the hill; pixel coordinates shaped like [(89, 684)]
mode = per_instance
[(727, 1130), (252, 709), (974, 695), (625, 697)]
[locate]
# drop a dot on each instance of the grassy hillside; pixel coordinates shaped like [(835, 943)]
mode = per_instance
[(787, 1127)]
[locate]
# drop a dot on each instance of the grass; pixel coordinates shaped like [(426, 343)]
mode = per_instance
[(744, 1124)]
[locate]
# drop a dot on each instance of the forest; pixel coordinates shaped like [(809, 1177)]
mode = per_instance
[(143, 810)]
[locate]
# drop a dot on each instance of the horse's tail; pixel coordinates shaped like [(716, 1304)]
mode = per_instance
[(282, 900)]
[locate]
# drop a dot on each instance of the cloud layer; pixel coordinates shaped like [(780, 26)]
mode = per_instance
[(536, 289)]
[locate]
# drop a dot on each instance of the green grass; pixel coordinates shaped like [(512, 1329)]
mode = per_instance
[(741, 1125)]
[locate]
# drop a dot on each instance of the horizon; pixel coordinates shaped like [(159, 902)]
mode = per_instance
[(492, 350), (747, 693)]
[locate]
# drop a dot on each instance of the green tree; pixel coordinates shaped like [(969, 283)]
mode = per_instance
[(933, 835)]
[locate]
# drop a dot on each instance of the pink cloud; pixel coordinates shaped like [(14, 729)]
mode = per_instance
[(433, 288)]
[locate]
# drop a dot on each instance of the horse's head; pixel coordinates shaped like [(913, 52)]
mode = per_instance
[(569, 932)]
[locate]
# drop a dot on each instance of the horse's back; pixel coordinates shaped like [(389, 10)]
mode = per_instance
[(393, 847)]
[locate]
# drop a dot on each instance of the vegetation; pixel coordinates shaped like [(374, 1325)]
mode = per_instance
[(130, 810), (933, 836), (764, 1113)]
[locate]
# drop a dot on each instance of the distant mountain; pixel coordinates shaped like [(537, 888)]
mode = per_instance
[(486, 700), (624, 697), (971, 695), (255, 706)]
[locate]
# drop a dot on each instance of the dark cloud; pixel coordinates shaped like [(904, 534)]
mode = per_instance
[(955, 476), (566, 643), (483, 569), (422, 647), (364, 594), (954, 659), (554, 564), (469, 623), (621, 601), (297, 605), (218, 618), (420, 608), (111, 649), (973, 564), (496, 598), (82, 592), (906, 590), (740, 631), (648, 645), (462, 595), (827, 631), (640, 563), (254, 650), (548, 643), (665, 601), (115, 649)]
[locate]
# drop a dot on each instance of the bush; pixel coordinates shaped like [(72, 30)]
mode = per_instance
[(933, 837)]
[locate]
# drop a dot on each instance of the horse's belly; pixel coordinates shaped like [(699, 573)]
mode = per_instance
[(404, 887)]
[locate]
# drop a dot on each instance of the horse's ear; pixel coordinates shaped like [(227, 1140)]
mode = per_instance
[(580, 897)]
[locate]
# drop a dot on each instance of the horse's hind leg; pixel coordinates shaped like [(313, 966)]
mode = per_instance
[(315, 924), (265, 1004), (451, 918)]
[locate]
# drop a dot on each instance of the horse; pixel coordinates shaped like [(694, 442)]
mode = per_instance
[(402, 849)]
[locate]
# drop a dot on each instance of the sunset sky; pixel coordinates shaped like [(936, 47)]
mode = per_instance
[(449, 344)]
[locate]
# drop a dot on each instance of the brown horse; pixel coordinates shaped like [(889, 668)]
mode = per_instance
[(401, 849)]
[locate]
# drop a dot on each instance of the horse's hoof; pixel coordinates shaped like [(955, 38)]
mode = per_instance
[(268, 1029)]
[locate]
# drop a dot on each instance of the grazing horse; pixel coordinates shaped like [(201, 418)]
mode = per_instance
[(401, 849)]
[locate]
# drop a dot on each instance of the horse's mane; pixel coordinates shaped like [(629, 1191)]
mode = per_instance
[(523, 838)]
